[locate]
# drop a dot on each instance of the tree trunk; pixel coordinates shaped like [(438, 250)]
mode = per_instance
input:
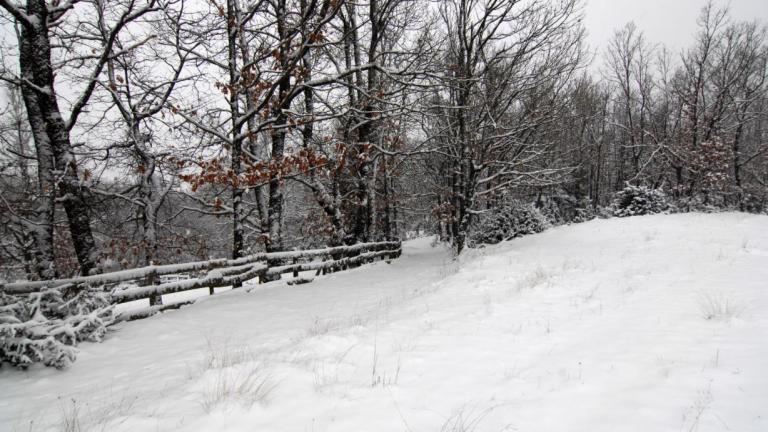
[(56, 160), (233, 28), (276, 199)]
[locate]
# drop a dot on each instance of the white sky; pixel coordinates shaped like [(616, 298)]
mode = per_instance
[(668, 22)]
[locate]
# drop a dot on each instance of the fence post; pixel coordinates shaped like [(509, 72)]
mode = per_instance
[(154, 299), (321, 270), (295, 270), (351, 255), (235, 285)]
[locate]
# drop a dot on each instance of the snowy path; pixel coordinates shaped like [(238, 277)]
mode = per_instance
[(651, 323), (149, 358)]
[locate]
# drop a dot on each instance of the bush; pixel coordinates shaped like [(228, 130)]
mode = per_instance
[(506, 222), (698, 203), (45, 327), (564, 209), (559, 209), (639, 200), (754, 203)]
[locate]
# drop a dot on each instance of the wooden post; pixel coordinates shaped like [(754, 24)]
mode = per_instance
[(295, 270), (154, 299)]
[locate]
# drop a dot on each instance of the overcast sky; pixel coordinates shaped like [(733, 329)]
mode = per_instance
[(669, 22)]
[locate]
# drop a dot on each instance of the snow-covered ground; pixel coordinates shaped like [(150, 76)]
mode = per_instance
[(655, 323)]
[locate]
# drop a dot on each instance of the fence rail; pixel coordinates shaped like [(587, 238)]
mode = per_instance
[(146, 282)]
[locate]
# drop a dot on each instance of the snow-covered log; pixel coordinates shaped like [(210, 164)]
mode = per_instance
[(330, 252), (108, 279), (127, 275), (334, 264), (151, 310), (214, 279), (44, 321), (218, 273)]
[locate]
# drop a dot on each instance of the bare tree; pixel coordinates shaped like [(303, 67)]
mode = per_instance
[(139, 93), (39, 28), (506, 63), (628, 69)]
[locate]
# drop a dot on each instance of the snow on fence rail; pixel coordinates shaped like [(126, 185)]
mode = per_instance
[(154, 281)]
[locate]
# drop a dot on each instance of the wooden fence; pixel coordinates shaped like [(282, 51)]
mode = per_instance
[(148, 282)]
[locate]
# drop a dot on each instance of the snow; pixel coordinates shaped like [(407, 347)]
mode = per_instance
[(174, 270), (653, 323)]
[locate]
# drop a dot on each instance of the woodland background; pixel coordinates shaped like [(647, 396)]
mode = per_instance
[(164, 131)]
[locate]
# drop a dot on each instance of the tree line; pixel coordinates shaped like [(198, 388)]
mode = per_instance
[(160, 131)]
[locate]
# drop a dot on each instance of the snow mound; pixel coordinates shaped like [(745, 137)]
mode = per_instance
[(652, 323)]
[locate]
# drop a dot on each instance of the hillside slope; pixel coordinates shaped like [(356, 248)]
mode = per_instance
[(654, 323)]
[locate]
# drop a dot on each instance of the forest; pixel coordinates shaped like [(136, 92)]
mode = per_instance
[(383, 215), (138, 132)]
